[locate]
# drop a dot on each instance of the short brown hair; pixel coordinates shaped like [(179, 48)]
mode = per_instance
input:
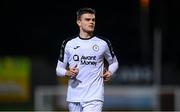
[(84, 11)]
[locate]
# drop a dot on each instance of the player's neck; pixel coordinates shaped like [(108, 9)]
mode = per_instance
[(85, 35)]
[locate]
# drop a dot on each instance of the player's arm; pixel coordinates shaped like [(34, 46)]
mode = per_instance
[(112, 62), (111, 69), (113, 66), (62, 68)]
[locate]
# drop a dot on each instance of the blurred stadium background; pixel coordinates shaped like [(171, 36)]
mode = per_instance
[(144, 34)]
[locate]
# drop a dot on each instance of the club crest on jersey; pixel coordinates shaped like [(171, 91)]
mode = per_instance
[(96, 48)]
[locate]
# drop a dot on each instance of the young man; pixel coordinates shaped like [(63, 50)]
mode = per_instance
[(85, 57)]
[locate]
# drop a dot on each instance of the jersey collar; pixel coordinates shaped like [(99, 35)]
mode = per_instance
[(86, 38)]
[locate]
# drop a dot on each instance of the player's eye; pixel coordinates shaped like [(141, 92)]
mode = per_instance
[(87, 19)]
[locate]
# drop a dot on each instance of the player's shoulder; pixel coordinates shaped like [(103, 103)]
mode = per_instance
[(69, 40), (103, 39)]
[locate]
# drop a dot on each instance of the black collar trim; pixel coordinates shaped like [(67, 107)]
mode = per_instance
[(86, 38)]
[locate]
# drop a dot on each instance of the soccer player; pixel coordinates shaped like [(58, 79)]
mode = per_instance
[(82, 59)]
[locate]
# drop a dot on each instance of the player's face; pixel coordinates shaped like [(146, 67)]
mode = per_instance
[(87, 22)]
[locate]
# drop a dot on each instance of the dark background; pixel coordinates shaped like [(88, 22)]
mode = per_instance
[(37, 28)]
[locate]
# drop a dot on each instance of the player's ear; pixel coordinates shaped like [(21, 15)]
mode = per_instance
[(78, 22)]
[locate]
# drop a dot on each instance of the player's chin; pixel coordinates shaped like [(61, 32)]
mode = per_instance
[(90, 30)]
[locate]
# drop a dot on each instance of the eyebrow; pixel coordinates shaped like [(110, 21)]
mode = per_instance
[(90, 19)]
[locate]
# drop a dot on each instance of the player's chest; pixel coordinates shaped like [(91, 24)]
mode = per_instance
[(87, 49)]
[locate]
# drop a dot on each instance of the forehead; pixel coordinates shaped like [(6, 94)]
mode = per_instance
[(88, 15)]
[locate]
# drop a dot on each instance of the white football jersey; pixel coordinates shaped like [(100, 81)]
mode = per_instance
[(89, 56)]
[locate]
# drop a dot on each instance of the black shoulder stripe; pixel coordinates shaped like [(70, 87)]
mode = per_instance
[(62, 49), (109, 45)]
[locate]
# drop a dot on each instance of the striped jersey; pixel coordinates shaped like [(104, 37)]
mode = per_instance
[(89, 56)]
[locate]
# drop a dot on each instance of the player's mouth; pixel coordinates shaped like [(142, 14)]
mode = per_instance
[(91, 26)]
